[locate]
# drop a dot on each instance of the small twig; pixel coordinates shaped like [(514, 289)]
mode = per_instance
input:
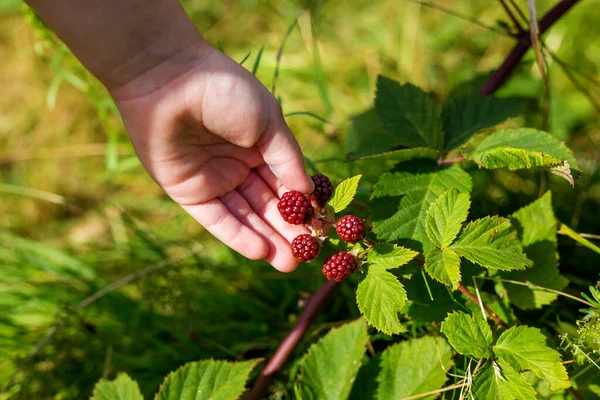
[(512, 17), (534, 36), (521, 14), (451, 160), (446, 389), (370, 242), (467, 18), (532, 286), (370, 348), (474, 298), (313, 306), (517, 53)]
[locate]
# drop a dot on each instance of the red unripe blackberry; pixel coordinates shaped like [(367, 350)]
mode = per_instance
[(338, 266), (305, 248), (295, 208), (323, 189), (350, 228)]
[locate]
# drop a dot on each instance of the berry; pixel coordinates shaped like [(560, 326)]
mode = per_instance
[(323, 189), (305, 248), (350, 228), (338, 266), (295, 208)]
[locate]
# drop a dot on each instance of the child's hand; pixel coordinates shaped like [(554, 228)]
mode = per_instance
[(215, 140)]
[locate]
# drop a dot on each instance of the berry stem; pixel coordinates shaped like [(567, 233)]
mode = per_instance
[(474, 298), (370, 242), (313, 306)]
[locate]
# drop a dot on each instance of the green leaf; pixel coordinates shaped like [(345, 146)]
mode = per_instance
[(468, 334), (380, 296), (492, 243), (495, 383), (365, 386), (524, 348), (523, 148), (443, 266), (400, 155), (419, 186), (344, 193), (122, 388), (331, 365), (414, 367), (536, 224), (390, 256), (446, 216), (208, 379), (465, 116), (409, 114)]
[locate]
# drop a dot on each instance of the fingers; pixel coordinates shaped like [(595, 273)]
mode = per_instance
[(279, 255), (226, 227), (282, 154), (271, 180), (264, 202)]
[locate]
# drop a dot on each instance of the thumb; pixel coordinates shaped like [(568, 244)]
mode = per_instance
[(282, 154)]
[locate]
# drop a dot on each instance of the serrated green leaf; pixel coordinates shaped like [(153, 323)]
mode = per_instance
[(465, 116), (122, 388), (414, 367), (409, 114), (400, 155), (492, 243), (380, 296), (468, 334), (495, 383), (419, 187), (524, 348), (208, 379), (446, 216), (421, 309), (330, 366), (443, 266), (536, 225), (390, 256), (521, 149), (344, 193)]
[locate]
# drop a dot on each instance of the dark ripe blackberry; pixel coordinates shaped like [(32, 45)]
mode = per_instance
[(323, 189), (350, 228), (338, 266), (305, 248), (295, 208)]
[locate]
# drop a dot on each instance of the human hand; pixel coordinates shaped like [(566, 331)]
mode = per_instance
[(214, 139)]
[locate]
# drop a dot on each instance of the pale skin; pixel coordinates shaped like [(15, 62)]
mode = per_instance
[(210, 134)]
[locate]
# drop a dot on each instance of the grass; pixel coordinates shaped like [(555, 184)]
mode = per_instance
[(78, 212)]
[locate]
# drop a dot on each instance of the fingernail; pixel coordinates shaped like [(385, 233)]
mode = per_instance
[(312, 183), (273, 170)]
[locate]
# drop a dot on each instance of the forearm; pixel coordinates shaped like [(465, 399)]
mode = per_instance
[(118, 40)]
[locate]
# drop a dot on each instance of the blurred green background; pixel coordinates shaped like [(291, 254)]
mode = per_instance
[(78, 212)]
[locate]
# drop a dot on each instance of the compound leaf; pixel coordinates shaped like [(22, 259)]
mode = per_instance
[(468, 334), (413, 367), (409, 114), (524, 348), (122, 388), (466, 115), (443, 266), (445, 217), (208, 379), (380, 296), (344, 193), (419, 189), (331, 365), (492, 243)]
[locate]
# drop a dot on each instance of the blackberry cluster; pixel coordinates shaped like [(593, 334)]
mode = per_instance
[(299, 209)]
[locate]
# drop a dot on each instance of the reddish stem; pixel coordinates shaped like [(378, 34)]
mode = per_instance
[(313, 306), (495, 316), (517, 53)]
